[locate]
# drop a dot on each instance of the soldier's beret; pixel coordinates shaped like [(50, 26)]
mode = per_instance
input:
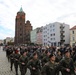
[(51, 55), (34, 53), (46, 51), (16, 51), (25, 50), (66, 51)]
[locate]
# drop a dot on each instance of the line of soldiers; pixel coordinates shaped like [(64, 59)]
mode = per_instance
[(40, 61)]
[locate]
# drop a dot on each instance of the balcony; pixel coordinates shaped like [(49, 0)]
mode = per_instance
[(62, 36), (62, 40), (62, 31), (61, 27)]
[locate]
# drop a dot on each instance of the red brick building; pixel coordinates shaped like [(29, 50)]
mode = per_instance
[(22, 28)]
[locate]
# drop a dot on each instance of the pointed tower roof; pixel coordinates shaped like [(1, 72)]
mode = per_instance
[(21, 10)]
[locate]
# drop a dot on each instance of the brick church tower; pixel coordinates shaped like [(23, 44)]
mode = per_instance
[(22, 29)]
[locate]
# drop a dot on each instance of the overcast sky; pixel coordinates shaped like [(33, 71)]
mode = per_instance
[(39, 12)]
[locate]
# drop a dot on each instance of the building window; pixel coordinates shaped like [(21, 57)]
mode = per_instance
[(54, 38), (20, 34), (53, 29), (51, 34), (73, 32), (54, 43), (54, 34), (44, 35), (73, 38), (53, 25)]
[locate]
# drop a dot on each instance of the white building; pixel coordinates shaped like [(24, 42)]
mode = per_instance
[(56, 34)]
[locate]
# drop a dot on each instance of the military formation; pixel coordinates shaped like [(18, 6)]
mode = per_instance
[(42, 60)]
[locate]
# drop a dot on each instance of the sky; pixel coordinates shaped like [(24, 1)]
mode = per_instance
[(39, 12)]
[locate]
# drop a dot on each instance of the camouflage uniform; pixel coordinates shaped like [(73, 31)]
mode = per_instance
[(49, 69), (34, 63), (67, 63), (16, 62), (23, 64), (12, 60)]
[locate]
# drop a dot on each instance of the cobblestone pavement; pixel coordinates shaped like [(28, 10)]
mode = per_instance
[(5, 65)]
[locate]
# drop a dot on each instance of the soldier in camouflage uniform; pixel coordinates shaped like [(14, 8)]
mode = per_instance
[(45, 58), (50, 68), (16, 61), (67, 65), (58, 59), (58, 56), (12, 60), (23, 63), (34, 65)]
